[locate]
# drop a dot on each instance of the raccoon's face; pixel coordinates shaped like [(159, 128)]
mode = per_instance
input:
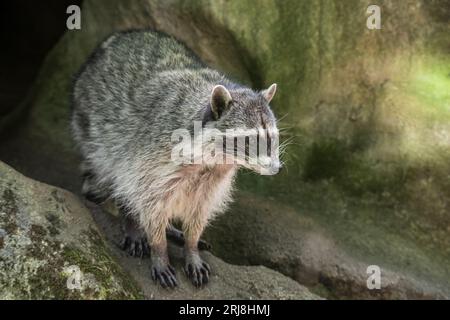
[(250, 127)]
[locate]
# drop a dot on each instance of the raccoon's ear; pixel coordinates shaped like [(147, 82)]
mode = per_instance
[(269, 93), (220, 101)]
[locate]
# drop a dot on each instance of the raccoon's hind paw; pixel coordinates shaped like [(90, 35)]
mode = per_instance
[(94, 198), (164, 274), (197, 270), (204, 245), (134, 240), (177, 236), (135, 247)]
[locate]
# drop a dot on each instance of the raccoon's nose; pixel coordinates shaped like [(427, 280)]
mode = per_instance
[(280, 168)]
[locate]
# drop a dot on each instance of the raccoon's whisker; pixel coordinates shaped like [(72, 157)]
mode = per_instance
[(282, 117), (285, 127)]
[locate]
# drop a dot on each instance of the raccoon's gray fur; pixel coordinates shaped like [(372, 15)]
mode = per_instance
[(133, 92)]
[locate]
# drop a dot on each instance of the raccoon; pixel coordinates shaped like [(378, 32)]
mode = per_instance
[(127, 99)]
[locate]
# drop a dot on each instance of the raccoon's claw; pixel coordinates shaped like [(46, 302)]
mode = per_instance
[(198, 272), (135, 247), (165, 275)]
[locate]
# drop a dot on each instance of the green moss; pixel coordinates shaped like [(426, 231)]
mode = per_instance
[(10, 210), (113, 281), (47, 282), (430, 84), (50, 281), (325, 160)]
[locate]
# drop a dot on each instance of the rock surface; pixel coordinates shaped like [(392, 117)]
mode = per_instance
[(265, 232), (51, 248)]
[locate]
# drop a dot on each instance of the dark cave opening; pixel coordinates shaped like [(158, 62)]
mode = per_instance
[(28, 30)]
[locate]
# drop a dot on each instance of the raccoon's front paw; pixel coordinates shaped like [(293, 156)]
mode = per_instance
[(196, 269), (164, 273), (134, 240)]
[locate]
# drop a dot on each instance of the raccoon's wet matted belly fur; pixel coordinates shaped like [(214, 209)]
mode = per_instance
[(128, 99)]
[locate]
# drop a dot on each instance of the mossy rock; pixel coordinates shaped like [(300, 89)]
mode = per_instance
[(50, 247)]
